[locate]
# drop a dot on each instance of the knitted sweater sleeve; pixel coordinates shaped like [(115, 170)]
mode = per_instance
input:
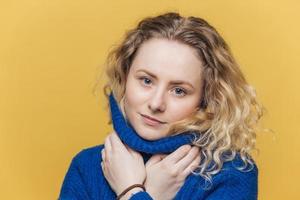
[(73, 187), (141, 196)]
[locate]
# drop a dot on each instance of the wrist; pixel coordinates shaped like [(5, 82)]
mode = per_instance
[(151, 192), (131, 192)]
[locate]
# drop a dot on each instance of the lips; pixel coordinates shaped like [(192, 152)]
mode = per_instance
[(153, 119)]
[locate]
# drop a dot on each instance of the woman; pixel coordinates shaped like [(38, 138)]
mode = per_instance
[(183, 115)]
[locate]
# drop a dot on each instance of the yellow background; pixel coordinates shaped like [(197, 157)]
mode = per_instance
[(49, 55)]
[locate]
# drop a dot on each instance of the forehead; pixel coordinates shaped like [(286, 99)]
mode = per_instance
[(168, 59)]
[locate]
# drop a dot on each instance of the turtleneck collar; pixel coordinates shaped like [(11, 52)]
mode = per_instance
[(131, 138)]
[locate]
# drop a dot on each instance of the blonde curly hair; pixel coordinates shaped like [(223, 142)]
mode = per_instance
[(229, 110)]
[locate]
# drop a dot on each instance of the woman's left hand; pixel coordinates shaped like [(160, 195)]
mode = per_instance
[(121, 165)]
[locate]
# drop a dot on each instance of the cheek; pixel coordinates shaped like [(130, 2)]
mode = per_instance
[(133, 94), (132, 86), (179, 111)]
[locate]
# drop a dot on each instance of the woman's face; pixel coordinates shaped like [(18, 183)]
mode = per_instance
[(164, 82)]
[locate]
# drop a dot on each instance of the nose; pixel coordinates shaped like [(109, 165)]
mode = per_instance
[(157, 102)]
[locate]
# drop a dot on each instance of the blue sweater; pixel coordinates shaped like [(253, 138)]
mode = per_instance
[(84, 179)]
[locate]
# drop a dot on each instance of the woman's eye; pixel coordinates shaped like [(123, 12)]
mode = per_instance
[(180, 91), (145, 80)]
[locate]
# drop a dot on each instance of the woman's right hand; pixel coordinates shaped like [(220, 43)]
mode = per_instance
[(166, 173)]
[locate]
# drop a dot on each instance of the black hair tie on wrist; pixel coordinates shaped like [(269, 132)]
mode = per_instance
[(129, 188)]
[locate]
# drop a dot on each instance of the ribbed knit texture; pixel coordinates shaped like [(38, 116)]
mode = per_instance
[(84, 179)]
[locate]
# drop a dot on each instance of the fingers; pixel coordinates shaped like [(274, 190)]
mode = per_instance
[(113, 142), (177, 155), (116, 142), (115, 137), (103, 155), (155, 159), (103, 161), (107, 145), (103, 168), (108, 148), (132, 151), (194, 165), (186, 160)]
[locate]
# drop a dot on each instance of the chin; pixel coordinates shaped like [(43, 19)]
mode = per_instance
[(149, 134), (150, 137)]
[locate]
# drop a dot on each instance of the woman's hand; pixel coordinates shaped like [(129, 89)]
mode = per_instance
[(166, 173), (121, 165)]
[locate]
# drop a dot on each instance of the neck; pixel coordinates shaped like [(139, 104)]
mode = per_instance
[(131, 138)]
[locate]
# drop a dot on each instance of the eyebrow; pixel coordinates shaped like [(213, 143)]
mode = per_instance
[(172, 82)]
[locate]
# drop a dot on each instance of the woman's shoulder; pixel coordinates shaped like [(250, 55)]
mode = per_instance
[(235, 180), (240, 166), (235, 171), (88, 155), (238, 171)]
